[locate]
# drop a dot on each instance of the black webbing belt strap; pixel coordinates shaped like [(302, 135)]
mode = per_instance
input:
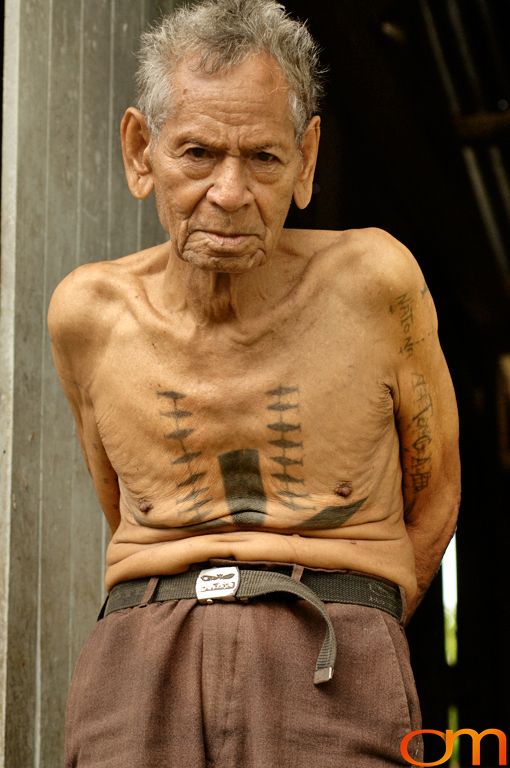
[(317, 587)]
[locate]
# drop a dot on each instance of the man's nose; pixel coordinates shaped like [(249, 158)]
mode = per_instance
[(229, 189)]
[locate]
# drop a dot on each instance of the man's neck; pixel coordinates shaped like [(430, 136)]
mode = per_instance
[(211, 297), (218, 297)]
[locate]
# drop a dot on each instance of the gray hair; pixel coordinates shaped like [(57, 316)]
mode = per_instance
[(222, 33)]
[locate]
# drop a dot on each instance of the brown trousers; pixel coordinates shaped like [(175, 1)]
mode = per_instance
[(230, 685)]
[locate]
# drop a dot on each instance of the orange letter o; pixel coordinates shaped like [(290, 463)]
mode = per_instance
[(405, 752)]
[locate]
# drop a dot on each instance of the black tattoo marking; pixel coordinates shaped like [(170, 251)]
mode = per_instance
[(249, 517), (285, 444), (282, 406), (198, 505), (244, 490), (172, 395), (285, 461), (331, 517), (282, 391), (176, 414), (242, 479), (191, 480), (420, 459), (403, 305), (179, 434), (190, 496), (186, 458), (286, 478), (281, 427)]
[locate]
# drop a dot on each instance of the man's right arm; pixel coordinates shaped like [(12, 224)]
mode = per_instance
[(75, 341)]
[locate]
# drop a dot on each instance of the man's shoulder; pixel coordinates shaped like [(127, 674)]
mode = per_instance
[(379, 258), (81, 298), (92, 292), (370, 249), (367, 259)]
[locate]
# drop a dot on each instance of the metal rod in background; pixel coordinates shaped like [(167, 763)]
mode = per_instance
[(501, 175), (460, 32), (492, 228), (493, 47), (471, 161), (437, 50)]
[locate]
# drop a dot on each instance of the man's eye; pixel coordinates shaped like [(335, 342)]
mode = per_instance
[(198, 153), (265, 157)]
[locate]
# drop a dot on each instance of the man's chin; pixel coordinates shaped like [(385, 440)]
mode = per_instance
[(218, 262)]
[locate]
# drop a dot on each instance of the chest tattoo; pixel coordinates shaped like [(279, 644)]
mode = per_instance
[(244, 490), (192, 500), (285, 436), (240, 470)]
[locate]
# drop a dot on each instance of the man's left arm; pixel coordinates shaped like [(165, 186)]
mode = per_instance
[(427, 423)]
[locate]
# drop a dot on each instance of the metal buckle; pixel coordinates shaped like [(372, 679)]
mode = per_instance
[(217, 584)]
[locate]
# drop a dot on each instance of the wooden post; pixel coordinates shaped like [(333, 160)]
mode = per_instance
[(68, 75)]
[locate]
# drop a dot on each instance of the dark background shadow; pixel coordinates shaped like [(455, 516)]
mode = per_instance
[(416, 140)]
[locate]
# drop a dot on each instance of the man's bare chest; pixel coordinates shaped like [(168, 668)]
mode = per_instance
[(293, 424)]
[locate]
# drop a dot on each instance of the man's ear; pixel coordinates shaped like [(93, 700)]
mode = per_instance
[(135, 138), (309, 149)]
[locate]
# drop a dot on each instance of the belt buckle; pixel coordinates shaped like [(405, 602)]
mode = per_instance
[(217, 584)]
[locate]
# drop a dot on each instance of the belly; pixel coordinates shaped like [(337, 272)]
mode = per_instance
[(257, 489)]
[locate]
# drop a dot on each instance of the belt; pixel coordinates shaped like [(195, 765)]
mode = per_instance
[(230, 583)]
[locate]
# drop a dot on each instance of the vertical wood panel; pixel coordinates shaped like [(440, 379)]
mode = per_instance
[(151, 231), (124, 209), (58, 438), (7, 327), (76, 71), (86, 532), (94, 152), (21, 728)]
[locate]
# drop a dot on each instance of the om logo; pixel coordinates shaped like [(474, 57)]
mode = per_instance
[(449, 740)]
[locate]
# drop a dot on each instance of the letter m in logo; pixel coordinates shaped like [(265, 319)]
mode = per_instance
[(477, 740)]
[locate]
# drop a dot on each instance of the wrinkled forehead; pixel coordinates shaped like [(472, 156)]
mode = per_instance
[(256, 79)]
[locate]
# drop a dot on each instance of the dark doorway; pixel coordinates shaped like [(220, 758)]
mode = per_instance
[(416, 140)]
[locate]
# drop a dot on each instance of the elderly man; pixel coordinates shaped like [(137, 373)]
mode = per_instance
[(270, 425)]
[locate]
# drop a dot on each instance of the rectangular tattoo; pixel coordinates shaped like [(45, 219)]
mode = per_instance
[(420, 464), (403, 306)]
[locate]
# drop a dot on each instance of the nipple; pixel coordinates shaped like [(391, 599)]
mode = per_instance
[(144, 505), (343, 488)]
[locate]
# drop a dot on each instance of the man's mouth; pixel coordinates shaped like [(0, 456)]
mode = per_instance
[(224, 250), (228, 240)]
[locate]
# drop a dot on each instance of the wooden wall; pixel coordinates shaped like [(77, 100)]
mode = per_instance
[(69, 76)]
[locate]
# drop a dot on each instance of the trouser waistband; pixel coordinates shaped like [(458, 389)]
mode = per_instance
[(232, 582)]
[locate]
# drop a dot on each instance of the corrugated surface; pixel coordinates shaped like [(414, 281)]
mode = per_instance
[(71, 205)]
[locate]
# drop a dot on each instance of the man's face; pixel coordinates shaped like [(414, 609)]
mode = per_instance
[(225, 165)]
